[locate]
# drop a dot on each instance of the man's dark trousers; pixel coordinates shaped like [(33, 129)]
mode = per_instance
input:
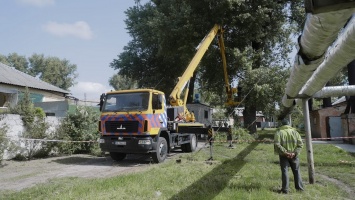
[(295, 166)]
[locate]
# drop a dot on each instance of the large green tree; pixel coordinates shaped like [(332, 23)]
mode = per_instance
[(119, 82), (166, 33), (17, 61), (53, 70)]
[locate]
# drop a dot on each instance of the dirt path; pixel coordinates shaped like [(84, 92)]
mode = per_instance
[(17, 175), (350, 191)]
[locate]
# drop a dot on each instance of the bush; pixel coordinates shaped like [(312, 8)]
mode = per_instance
[(78, 126), (43, 152), (4, 142), (35, 127), (239, 134), (244, 136), (19, 157)]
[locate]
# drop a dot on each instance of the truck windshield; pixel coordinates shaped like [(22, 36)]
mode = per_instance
[(126, 102)]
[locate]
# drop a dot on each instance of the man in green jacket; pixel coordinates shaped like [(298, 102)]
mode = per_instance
[(288, 144)]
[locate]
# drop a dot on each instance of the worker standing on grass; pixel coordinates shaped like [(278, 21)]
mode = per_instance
[(288, 144), (210, 140), (230, 136)]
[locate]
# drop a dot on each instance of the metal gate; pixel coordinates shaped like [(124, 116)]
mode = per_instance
[(335, 127)]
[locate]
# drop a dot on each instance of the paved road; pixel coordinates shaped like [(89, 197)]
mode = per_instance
[(339, 144)]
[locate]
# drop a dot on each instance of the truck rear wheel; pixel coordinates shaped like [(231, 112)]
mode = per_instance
[(117, 156), (191, 146), (161, 151)]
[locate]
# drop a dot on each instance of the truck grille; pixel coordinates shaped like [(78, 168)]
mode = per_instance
[(121, 126)]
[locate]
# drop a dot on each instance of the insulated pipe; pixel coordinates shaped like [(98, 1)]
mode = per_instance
[(319, 32), (339, 55), (330, 91), (299, 75), (335, 91)]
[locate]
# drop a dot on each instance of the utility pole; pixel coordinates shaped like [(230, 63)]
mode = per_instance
[(309, 148)]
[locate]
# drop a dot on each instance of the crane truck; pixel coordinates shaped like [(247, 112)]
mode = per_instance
[(139, 121)]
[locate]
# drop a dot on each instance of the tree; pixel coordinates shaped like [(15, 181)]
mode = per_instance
[(58, 72), (166, 33), (265, 88), (120, 82), (18, 62), (35, 127)]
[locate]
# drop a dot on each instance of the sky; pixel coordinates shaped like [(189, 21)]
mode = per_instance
[(88, 33)]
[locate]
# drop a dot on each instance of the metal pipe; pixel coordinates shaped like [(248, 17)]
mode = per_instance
[(338, 56), (307, 126)]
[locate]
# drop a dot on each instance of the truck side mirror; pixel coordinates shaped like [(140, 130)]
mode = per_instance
[(102, 99)]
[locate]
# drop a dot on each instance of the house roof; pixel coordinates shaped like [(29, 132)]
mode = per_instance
[(340, 100), (11, 76)]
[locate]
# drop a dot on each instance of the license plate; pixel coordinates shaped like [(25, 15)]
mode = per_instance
[(120, 143)]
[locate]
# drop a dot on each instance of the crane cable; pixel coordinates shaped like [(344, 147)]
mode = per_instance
[(210, 139)]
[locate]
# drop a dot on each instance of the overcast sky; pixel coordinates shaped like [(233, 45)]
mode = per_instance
[(88, 33)]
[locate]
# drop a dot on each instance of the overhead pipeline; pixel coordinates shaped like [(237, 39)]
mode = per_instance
[(319, 33)]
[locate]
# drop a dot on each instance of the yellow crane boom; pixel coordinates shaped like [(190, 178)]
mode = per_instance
[(229, 90), (175, 99), (175, 96)]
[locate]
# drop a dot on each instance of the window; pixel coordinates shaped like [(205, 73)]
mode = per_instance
[(122, 102), (206, 114), (157, 101)]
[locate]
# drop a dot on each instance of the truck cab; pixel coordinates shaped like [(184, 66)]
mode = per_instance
[(131, 120), (136, 122)]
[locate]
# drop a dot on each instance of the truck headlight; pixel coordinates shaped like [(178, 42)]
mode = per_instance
[(144, 142), (102, 141)]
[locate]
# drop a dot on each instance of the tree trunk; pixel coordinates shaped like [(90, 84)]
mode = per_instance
[(327, 102), (190, 95), (249, 114), (351, 77), (310, 104)]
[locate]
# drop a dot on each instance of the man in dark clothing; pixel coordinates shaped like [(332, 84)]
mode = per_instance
[(288, 144), (230, 136)]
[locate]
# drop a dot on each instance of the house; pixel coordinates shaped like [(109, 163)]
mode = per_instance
[(326, 122), (13, 84), (260, 118), (202, 112)]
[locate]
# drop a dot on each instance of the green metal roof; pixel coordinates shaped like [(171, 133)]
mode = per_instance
[(12, 76)]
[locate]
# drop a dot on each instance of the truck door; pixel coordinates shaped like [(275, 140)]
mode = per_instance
[(159, 109)]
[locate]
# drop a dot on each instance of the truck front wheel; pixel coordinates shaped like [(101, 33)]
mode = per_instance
[(161, 151), (117, 156)]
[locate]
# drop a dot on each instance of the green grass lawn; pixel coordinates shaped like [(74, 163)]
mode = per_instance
[(249, 171)]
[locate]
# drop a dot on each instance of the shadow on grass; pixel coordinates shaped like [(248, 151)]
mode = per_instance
[(131, 160), (210, 185)]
